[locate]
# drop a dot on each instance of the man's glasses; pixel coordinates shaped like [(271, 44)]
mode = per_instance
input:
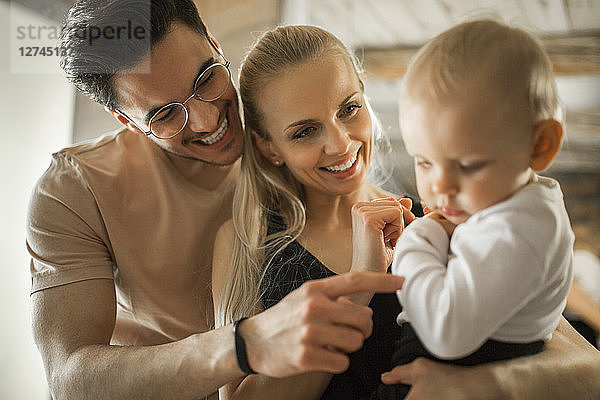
[(170, 119)]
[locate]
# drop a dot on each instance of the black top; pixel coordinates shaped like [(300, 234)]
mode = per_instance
[(296, 265)]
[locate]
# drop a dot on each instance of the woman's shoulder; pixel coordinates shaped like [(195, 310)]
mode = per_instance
[(225, 231), (222, 249), (222, 246)]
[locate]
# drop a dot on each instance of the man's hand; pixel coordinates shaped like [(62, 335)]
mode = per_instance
[(432, 380), (314, 326), (376, 227)]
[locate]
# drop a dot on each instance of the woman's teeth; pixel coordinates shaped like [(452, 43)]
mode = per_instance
[(215, 137), (343, 167)]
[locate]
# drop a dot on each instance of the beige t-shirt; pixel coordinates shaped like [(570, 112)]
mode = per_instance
[(116, 208)]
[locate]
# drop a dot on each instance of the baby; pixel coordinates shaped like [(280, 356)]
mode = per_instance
[(488, 270)]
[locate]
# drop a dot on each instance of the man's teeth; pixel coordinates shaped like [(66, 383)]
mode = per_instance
[(215, 137), (343, 167)]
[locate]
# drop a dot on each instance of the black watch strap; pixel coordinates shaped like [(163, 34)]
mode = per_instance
[(240, 348)]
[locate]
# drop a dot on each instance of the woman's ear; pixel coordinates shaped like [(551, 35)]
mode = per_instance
[(122, 119), (547, 139), (266, 148)]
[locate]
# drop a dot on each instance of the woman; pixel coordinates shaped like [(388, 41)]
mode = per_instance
[(304, 168), (307, 153)]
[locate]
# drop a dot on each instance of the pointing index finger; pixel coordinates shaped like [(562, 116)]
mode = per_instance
[(356, 282)]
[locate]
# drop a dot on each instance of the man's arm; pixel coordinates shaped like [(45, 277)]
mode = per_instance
[(72, 327), (568, 368), (73, 324)]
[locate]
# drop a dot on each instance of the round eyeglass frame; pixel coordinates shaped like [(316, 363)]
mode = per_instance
[(194, 94)]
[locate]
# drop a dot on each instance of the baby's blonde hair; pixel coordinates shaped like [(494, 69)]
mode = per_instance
[(507, 58)]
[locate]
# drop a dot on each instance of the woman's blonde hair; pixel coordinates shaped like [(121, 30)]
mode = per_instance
[(263, 190), (511, 60)]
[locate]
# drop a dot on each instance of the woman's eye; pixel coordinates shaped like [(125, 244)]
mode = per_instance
[(350, 110), (303, 132)]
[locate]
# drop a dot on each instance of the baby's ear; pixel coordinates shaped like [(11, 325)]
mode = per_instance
[(547, 139)]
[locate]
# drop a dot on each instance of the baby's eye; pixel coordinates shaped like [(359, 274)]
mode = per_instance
[(472, 167)]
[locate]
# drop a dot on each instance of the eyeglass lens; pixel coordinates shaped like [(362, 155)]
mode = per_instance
[(212, 83), (209, 86)]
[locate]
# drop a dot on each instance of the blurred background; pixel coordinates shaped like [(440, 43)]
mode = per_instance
[(41, 112)]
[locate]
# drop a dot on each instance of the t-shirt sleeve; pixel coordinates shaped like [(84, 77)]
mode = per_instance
[(454, 308), (66, 237)]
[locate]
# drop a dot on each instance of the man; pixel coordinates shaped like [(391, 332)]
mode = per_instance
[(120, 230)]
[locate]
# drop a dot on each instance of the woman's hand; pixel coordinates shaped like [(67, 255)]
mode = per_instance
[(376, 227)]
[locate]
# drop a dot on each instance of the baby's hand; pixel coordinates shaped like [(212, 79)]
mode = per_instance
[(440, 219)]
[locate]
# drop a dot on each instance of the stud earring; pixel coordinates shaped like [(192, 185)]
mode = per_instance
[(278, 163)]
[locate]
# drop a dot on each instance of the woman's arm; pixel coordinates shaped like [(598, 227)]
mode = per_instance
[(305, 386), (568, 368), (580, 303)]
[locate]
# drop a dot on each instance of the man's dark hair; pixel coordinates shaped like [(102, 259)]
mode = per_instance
[(94, 46)]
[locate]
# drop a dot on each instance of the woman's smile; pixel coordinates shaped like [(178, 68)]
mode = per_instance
[(319, 126), (347, 167)]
